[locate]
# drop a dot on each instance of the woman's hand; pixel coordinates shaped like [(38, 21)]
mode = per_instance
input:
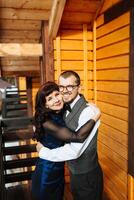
[(97, 116), (38, 146)]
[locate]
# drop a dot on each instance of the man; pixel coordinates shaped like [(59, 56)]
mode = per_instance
[(86, 173)]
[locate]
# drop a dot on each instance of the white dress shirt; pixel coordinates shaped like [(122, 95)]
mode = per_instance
[(73, 150)]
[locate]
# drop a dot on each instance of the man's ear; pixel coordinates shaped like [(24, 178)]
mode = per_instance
[(79, 88)]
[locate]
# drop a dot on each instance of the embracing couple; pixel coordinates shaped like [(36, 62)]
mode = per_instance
[(66, 128)]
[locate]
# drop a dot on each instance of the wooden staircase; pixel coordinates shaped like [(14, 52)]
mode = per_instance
[(16, 127)]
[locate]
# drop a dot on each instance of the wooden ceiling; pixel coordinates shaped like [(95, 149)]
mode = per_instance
[(21, 22)]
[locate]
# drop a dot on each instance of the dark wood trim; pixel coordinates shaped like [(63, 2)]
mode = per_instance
[(17, 177), (2, 183), (117, 10), (131, 98), (29, 96), (24, 162), (47, 64), (19, 149)]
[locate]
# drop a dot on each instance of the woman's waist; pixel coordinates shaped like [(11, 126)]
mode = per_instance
[(50, 164)]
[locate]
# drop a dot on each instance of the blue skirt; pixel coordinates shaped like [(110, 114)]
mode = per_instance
[(48, 180)]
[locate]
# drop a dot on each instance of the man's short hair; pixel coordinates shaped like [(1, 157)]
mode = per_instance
[(69, 73)]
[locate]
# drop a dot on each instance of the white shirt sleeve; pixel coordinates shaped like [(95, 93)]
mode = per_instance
[(68, 151), (72, 150)]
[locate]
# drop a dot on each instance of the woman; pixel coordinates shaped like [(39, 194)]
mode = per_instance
[(48, 177)]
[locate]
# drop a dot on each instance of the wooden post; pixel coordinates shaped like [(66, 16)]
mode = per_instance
[(131, 98), (58, 55), (29, 95), (85, 52), (131, 112), (47, 65), (94, 62)]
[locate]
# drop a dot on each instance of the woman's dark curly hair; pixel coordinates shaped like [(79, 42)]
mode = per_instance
[(41, 112)]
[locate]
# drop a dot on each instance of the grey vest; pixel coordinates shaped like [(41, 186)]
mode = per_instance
[(89, 159)]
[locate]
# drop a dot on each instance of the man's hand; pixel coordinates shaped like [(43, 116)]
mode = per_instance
[(38, 146)]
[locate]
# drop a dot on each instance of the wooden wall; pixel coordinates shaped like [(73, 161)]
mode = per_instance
[(105, 76), (112, 97), (73, 50)]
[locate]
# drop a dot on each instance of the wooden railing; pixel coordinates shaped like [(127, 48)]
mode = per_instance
[(2, 183)]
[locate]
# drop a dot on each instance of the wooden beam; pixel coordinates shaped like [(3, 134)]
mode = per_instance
[(55, 17), (28, 14), (29, 96), (25, 49), (31, 25), (34, 4), (47, 65)]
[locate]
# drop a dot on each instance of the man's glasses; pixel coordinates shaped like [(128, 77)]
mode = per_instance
[(69, 88)]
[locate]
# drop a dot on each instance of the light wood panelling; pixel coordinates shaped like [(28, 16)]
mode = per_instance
[(73, 55), (112, 70), (113, 110), (113, 75), (76, 65), (112, 94), (113, 50), (113, 145), (113, 37), (116, 170), (115, 24), (115, 157), (75, 35), (74, 45), (114, 184), (114, 87), (114, 62), (116, 123), (80, 73), (115, 99), (115, 134)]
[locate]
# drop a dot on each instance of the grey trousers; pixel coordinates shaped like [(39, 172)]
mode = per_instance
[(88, 186)]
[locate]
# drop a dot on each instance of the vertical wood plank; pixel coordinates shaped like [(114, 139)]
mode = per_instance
[(58, 55), (131, 98), (29, 95), (131, 112), (85, 58), (94, 61), (22, 83), (0, 71), (130, 187), (47, 66)]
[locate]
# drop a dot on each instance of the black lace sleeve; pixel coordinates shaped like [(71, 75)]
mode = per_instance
[(66, 134)]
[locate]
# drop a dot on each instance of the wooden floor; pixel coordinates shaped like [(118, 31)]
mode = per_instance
[(22, 192)]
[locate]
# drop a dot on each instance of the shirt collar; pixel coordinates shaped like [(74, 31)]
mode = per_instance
[(74, 101)]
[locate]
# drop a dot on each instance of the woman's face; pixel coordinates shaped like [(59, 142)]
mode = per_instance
[(54, 101)]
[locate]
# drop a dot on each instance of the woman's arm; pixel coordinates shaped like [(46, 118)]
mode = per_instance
[(68, 135)]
